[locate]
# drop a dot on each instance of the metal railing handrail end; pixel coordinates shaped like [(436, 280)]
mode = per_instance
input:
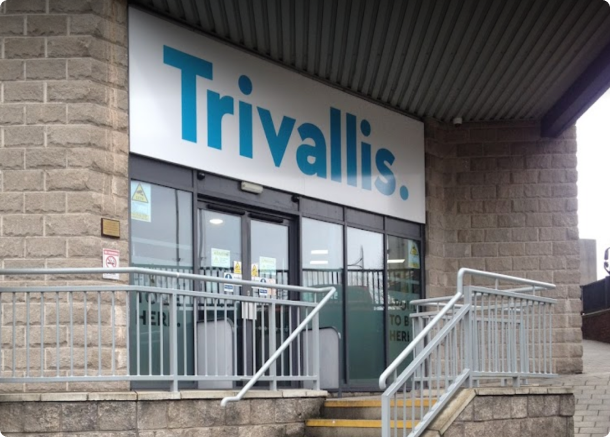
[(239, 396)]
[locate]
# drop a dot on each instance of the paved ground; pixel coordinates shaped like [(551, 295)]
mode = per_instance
[(592, 391)]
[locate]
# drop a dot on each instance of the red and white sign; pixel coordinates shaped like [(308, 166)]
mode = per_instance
[(110, 259)]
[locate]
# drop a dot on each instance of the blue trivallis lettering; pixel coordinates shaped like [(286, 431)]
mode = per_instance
[(311, 156)]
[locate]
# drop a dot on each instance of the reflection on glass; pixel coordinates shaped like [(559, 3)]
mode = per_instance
[(404, 285), (269, 255), (365, 305), (322, 258), (322, 253), (161, 239), (220, 249)]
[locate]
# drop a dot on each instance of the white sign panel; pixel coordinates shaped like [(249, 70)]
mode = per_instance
[(200, 103), (268, 265), (221, 258), (110, 260)]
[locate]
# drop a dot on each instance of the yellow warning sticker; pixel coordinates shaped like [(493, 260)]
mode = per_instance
[(140, 195), (141, 201), (413, 261)]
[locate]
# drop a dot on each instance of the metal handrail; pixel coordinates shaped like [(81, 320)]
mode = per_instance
[(279, 351), (460, 292), (312, 317), (144, 271), (418, 361), (447, 317), (416, 341)]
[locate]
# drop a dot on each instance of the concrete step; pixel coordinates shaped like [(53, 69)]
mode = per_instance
[(369, 409), (350, 428)]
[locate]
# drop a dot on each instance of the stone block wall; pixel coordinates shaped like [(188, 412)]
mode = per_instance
[(507, 412), (63, 155), (157, 414), (501, 198)]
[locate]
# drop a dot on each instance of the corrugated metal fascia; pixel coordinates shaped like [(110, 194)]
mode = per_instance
[(442, 54), (482, 60), (580, 52), (476, 69), (517, 73), (395, 61), (502, 43), (519, 58), (462, 39)]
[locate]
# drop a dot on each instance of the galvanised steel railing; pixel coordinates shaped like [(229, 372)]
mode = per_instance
[(79, 333), (479, 333)]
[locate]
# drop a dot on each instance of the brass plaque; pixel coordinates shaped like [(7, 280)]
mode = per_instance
[(111, 228)]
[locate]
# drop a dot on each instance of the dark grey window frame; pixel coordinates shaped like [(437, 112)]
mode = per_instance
[(211, 188)]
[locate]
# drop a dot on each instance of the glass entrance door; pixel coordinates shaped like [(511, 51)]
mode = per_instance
[(220, 246), (269, 256), (241, 244)]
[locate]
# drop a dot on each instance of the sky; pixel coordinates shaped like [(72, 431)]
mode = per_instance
[(593, 133)]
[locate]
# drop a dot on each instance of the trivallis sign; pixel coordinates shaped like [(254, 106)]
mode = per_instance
[(202, 104)]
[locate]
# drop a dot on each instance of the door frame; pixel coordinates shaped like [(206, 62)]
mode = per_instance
[(248, 214)]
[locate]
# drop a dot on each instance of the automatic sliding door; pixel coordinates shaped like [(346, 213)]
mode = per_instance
[(220, 248), (269, 256), (235, 243)]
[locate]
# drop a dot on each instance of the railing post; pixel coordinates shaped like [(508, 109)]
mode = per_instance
[(385, 415), (468, 354), (316, 350), (272, 346), (173, 342)]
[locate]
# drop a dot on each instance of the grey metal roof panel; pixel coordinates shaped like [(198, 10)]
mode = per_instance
[(479, 59)]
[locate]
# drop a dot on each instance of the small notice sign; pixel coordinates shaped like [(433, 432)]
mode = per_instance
[(110, 260), (221, 258), (413, 256), (141, 201), (229, 288), (111, 228), (268, 264)]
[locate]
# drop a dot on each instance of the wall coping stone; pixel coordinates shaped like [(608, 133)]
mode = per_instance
[(157, 395), (531, 390)]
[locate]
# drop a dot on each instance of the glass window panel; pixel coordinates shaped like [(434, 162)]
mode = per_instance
[(404, 285), (365, 305), (161, 239), (322, 258)]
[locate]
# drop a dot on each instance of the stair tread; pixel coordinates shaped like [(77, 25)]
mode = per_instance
[(358, 423), (375, 403)]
